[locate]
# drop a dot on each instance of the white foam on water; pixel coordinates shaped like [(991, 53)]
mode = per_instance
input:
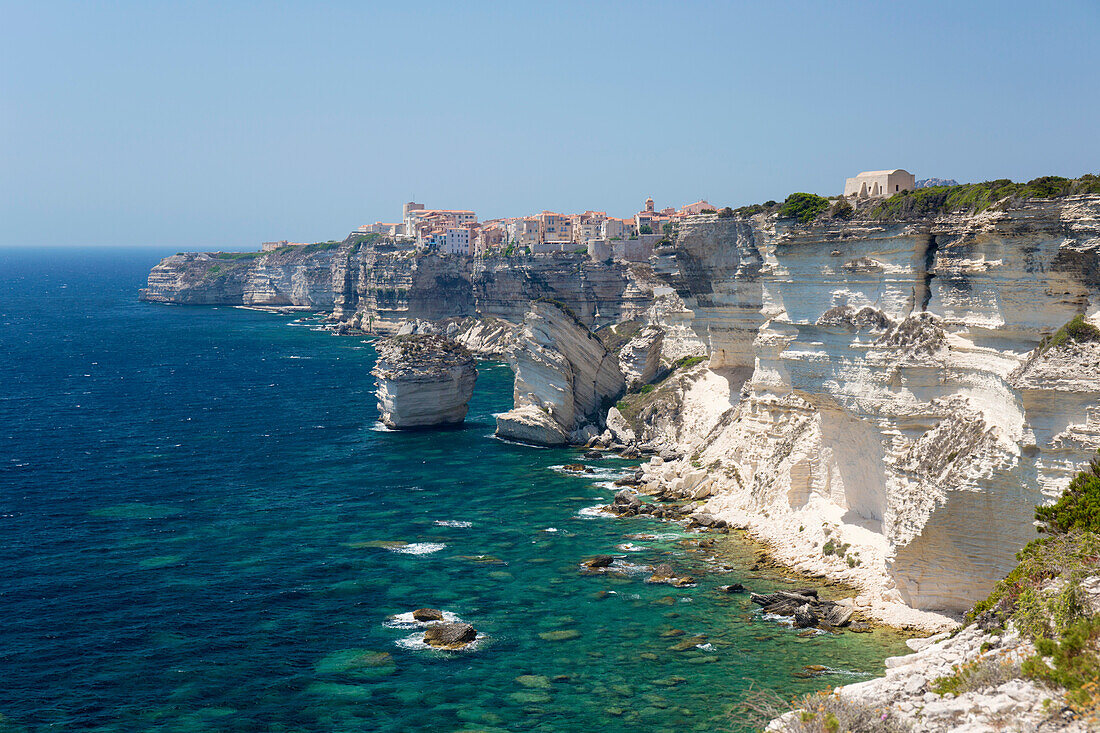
[(380, 427), (629, 547), (415, 642), (452, 523), (705, 647), (550, 529), (419, 548), (515, 442), (775, 617), (406, 621), (593, 512)]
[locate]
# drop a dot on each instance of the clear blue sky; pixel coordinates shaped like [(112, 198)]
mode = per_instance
[(200, 125)]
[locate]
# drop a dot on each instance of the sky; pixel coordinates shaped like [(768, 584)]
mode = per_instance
[(219, 125)]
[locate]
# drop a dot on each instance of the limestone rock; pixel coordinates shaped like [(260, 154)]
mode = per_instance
[(640, 358), (531, 424), (563, 375), (423, 381)]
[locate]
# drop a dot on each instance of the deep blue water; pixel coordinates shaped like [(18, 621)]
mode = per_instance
[(201, 528)]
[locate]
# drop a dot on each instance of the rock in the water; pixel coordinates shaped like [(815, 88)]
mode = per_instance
[(732, 588), (804, 617), (628, 498), (450, 636), (423, 381), (428, 614), (564, 374), (599, 561)]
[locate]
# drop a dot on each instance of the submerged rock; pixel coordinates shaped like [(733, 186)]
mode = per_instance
[(423, 381)]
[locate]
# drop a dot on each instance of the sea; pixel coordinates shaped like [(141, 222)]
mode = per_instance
[(204, 527)]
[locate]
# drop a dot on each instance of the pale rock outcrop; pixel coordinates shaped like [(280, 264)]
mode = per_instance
[(423, 381), (1008, 703), (379, 284), (563, 371), (640, 358), (883, 391)]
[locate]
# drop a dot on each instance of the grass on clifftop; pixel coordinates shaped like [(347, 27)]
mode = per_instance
[(1044, 596), (972, 198)]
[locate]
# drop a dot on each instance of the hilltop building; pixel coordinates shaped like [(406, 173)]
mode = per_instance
[(872, 184)]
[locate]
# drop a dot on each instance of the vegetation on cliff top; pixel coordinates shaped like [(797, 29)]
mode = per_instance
[(972, 198), (805, 207)]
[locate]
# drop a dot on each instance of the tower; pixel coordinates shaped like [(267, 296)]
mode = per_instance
[(649, 204)]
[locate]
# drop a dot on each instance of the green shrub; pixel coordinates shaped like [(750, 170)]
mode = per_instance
[(1078, 330), (842, 210), (238, 255), (686, 362), (976, 197), (805, 207), (725, 213), (1078, 509), (646, 389), (645, 229)]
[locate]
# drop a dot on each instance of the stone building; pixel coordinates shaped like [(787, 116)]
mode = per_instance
[(872, 184)]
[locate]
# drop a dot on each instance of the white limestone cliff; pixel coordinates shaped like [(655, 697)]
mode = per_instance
[(877, 387), (423, 381), (564, 375)]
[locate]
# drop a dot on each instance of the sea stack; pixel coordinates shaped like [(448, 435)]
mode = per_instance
[(423, 381)]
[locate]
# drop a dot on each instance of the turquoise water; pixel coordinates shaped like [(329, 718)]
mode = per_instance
[(204, 529)]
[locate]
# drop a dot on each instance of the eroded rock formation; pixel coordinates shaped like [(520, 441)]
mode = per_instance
[(423, 381), (875, 405), (565, 377)]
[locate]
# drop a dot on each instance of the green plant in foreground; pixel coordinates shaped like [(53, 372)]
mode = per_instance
[(1044, 597)]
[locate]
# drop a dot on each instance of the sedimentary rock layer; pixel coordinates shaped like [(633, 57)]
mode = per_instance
[(377, 285), (876, 390), (423, 381), (564, 375)]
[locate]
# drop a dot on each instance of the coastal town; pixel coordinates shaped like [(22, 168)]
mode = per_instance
[(595, 233)]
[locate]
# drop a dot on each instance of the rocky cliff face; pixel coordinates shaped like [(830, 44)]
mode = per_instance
[(278, 278), (564, 376), (378, 285), (423, 381), (876, 388)]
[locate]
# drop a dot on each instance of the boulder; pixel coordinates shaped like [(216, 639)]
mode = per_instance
[(599, 561), (530, 424), (619, 427), (804, 617), (628, 498), (428, 614), (450, 636), (423, 381)]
